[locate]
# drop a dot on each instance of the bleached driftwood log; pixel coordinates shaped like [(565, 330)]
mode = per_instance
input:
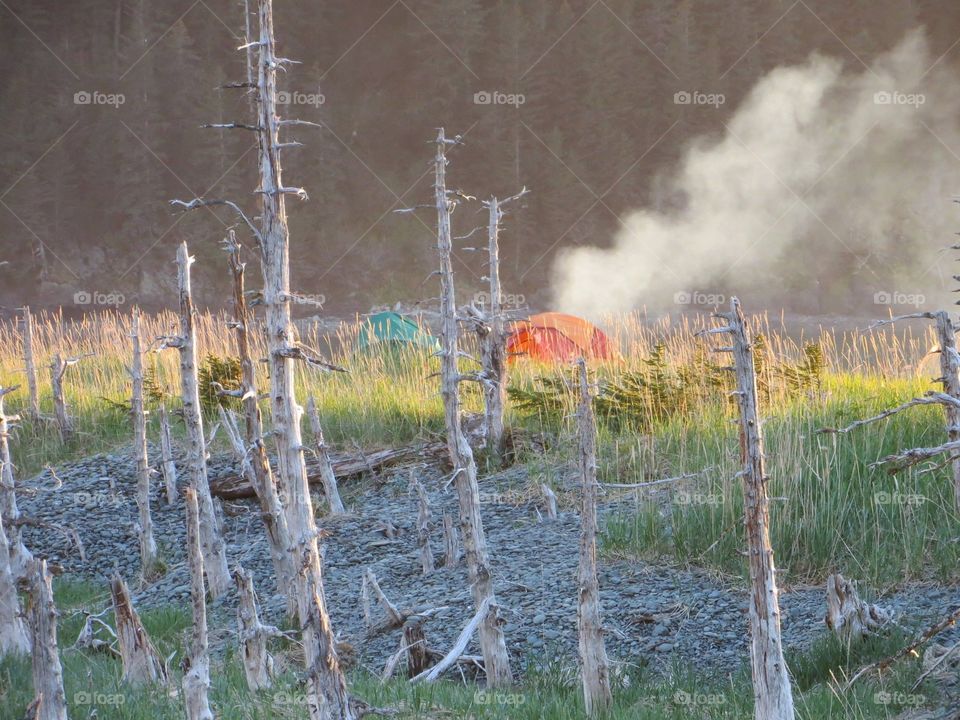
[(492, 643), (196, 676), (142, 664), (423, 528), (253, 456), (330, 489), (149, 561), (58, 368), (14, 636), (49, 699), (773, 698), (451, 542), (327, 697), (459, 646), (211, 540), (168, 466), (30, 364), (20, 557), (847, 615), (595, 668), (253, 635), (394, 618)]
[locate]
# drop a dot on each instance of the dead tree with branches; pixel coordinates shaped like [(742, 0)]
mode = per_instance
[(14, 636), (773, 697), (149, 559), (50, 702), (214, 549), (58, 369), (492, 643)]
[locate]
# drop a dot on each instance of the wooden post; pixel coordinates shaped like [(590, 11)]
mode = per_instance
[(326, 684), (14, 637), (50, 701), (149, 561), (423, 528), (253, 635), (771, 682), (595, 669), (142, 664), (214, 551), (254, 458), (950, 379), (492, 643), (30, 364), (329, 479), (20, 557), (167, 464), (58, 368), (196, 678)]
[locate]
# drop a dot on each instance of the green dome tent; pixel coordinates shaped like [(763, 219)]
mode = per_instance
[(393, 329)]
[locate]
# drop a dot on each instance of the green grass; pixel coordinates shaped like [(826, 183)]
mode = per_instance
[(552, 692)]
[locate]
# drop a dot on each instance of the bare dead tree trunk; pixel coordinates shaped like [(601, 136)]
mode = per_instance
[(492, 643), (14, 636), (423, 528), (30, 363), (326, 684), (196, 678), (254, 458), (50, 700), (451, 543), (142, 664), (330, 488), (493, 348), (595, 668), (149, 561), (950, 378), (167, 464), (214, 550), (771, 682), (58, 368), (257, 661), (20, 557), (551, 501)]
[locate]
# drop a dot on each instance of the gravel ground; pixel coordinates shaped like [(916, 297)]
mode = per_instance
[(655, 614)]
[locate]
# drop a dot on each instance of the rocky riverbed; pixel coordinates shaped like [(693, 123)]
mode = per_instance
[(655, 614)]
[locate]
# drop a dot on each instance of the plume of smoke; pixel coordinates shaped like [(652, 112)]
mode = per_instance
[(827, 189)]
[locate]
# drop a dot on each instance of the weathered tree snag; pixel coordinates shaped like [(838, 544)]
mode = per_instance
[(14, 636), (149, 561), (492, 643), (196, 677), (326, 684), (423, 528), (950, 378), (418, 657), (595, 668), (458, 646), (451, 542), (771, 682), (142, 664), (253, 635), (330, 489), (849, 616), (30, 364), (168, 466), (253, 457), (214, 550), (58, 368), (51, 703), (20, 557)]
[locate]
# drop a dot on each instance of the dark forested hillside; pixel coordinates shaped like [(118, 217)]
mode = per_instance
[(85, 185)]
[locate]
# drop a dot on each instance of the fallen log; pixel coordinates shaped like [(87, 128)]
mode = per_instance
[(345, 465)]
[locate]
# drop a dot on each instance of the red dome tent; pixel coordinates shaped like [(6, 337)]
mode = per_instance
[(556, 337)]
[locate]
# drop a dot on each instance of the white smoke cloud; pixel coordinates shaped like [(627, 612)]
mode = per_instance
[(818, 170)]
